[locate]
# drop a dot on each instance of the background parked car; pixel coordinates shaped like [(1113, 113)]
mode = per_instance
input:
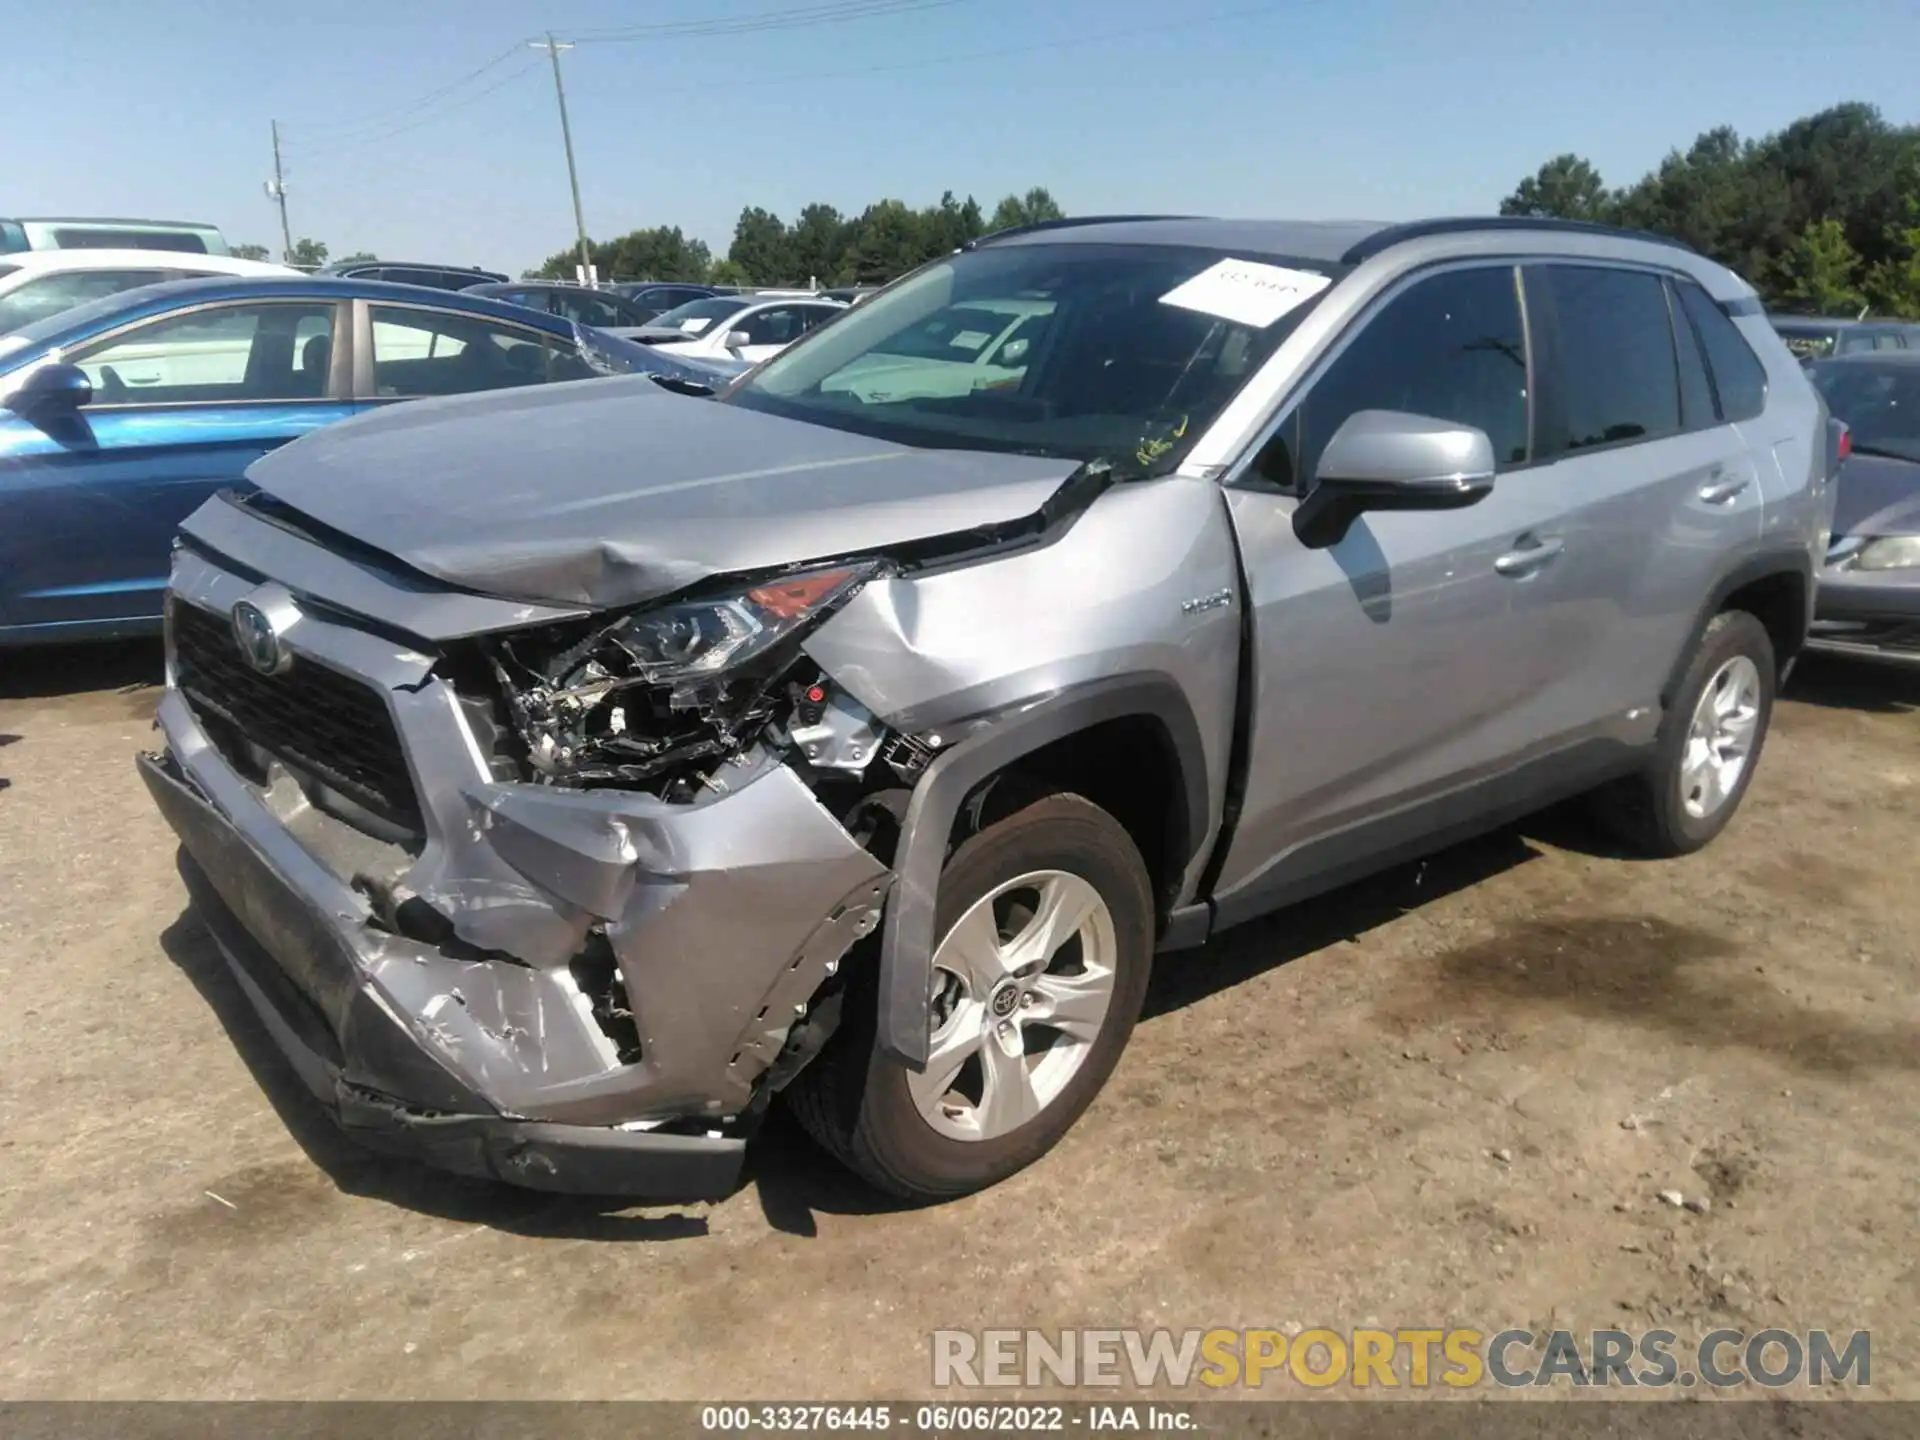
[(40, 283), (750, 332), (656, 298), (602, 309), (434, 277), (123, 414), (980, 345), (1815, 338), (44, 233), (1869, 600)]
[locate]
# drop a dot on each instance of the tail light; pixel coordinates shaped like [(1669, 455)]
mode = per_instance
[(1846, 442)]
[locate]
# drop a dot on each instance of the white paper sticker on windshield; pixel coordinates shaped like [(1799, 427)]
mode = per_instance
[(1247, 292), (970, 339)]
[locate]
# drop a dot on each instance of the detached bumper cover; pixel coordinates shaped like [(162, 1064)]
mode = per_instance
[(359, 1065)]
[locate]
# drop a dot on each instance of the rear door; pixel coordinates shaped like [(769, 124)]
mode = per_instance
[(1659, 490), (1395, 671), (182, 405)]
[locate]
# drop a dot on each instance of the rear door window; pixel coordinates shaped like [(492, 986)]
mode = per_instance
[(428, 352), (1617, 379), (1697, 408)]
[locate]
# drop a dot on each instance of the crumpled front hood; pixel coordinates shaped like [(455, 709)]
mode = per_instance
[(1877, 495), (612, 492)]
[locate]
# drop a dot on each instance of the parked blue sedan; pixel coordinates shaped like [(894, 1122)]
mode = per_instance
[(117, 418)]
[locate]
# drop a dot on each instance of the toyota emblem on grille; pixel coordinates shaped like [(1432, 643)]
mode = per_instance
[(259, 642)]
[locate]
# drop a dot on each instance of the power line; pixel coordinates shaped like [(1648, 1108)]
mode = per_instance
[(331, 130), (1071, 43), (360, 142)]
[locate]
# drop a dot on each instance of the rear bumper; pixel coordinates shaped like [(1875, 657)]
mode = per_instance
[(361, 1066), (1868, 616)]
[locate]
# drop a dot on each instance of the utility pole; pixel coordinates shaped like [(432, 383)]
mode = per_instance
[(553, 48), (277, 190)]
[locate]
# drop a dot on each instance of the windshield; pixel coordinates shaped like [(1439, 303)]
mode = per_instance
[(1080, 351), (1808, 342), (80, 317), (1879, 402), (697, 315)]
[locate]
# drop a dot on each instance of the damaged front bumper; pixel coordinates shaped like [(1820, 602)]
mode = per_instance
[(578, 991)]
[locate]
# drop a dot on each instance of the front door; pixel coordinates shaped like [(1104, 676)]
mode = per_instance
[(1397, 668), (182, 405)]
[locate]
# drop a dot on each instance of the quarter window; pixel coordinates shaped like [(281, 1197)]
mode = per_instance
[(424, 352), (1739, 380), (234, 353), (1451, 347)]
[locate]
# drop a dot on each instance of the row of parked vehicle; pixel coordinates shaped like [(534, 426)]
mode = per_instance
[(143, 380), (570, 776)]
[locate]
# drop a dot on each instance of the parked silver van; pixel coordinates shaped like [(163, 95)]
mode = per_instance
[(567, 775), (45, 233)]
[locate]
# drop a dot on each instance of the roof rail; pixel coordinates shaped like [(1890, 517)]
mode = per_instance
[(1421, 229), (1065, 224)]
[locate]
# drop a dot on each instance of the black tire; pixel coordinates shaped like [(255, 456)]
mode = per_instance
[(854, 1101), (1648, 810)]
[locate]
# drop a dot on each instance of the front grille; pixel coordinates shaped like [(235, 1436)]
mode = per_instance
[(314, 719)]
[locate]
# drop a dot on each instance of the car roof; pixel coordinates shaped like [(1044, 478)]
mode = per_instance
[(158, 299), (336, 266), (1331, 242), (90, 259)]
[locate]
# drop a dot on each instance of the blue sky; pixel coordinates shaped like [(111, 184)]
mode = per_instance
[(1370, 109)]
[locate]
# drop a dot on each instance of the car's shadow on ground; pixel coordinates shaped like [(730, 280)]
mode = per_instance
[(792, 1181), (36, 672), (1840, 684), (358, 1171)]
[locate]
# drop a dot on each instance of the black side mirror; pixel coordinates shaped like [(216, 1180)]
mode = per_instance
[(51, 390), (1388, 460)]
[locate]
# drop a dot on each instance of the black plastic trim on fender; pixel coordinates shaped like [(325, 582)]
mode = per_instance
[(1755, 567), (906, 945)]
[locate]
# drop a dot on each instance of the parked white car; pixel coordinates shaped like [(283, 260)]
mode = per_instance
[(976, 345), (37, 283), (717, 330)]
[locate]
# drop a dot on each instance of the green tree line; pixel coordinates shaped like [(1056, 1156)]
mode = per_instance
[(1822, 217), (820, 245)]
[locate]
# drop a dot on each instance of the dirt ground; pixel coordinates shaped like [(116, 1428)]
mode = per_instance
[(1450, 1095)]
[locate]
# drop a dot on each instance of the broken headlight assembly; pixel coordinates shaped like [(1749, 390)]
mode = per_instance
[(654, 698)]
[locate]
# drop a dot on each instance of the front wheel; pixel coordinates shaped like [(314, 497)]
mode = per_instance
[(1045, 921)]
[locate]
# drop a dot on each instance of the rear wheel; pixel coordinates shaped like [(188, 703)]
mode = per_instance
[(1045, 921), (1708, 745)]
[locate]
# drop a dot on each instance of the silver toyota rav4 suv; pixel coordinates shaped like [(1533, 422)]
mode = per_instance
[(567, 774)]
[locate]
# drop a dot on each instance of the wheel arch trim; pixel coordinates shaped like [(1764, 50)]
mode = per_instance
[(907, 939)]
